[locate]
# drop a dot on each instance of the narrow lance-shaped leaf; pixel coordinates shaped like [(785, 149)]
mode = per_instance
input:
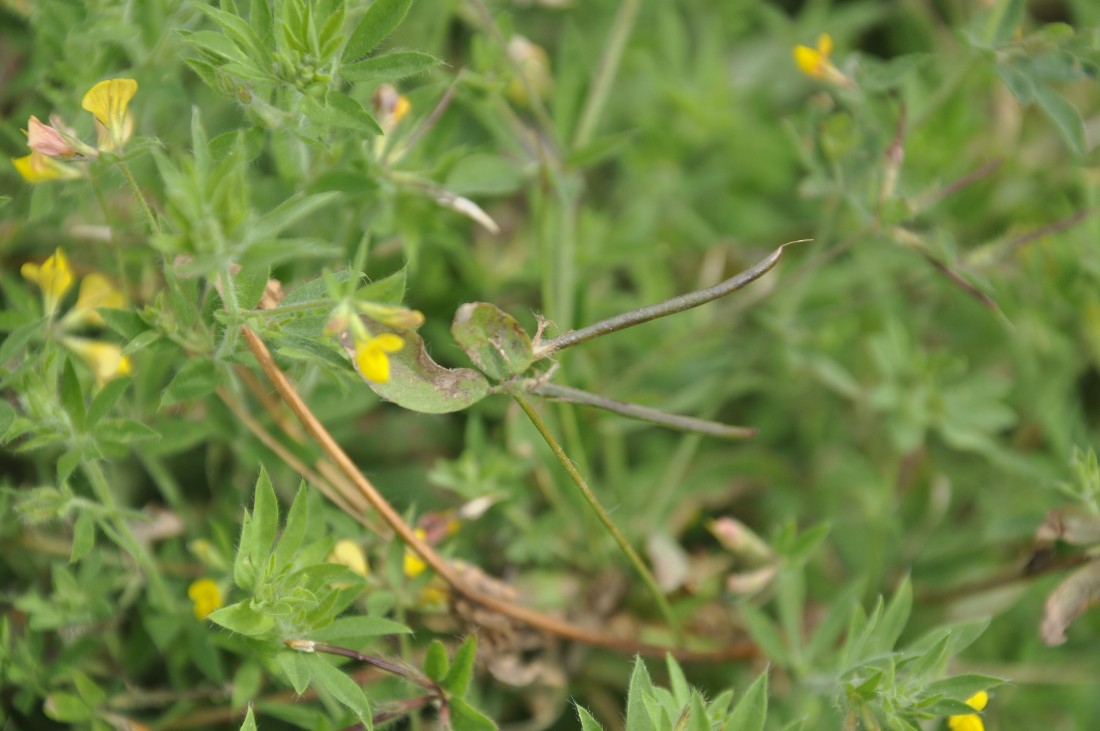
[(381, 18)]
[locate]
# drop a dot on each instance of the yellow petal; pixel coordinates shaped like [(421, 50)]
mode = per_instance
[(388, 342), (206, 597), (105, 359), (349, 554), (401, 108), (978, 700), (809, 60), (54, 277), (825, 44), (413, 564), (37, 168), (108, 101), (95, 291)]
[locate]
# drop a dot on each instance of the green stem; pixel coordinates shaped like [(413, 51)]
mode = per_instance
[(149, 217), (594, 503), (126, 538), (606, 72), (229, 297)]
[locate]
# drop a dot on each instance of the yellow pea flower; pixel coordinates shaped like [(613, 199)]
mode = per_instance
[(348, 553), (37, 168), (371, 355), (106, 359), (206, 597), (108, 101), (53, 276), (414, 565), (815, 63), (95, 291), (970, 721)]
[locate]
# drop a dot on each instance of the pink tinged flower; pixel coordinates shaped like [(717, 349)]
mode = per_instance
[(95, 291), (105, 359), (371, 356), (45, 139), (53, 276), (109, 101), (37, 168)]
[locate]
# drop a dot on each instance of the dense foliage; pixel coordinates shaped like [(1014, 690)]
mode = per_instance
[(451, 364)]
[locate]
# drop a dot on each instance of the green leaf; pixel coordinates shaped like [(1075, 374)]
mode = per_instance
[(378, 22), (294, 531), (637, 718), (246, 684), (588, 723), (752, 710), (245, 569), (242, 619), (436, 664), (1065, 117), (1017, 82), (764, 633), (7, 416), (681, 691), (294, 666), (249, 721), (92, 694), (72, 397), (457, 680), (104, 401), (340, 110), (465, 717), (894, 618), (493, 339), (1004, 19), (697, 714), (961, 687), (83, 536), (342, 687), (418, 383), (259, 17), (389, 66), (16, 341), (354, 630), (66, 707), (196, 378), (124, 431), (265, 519), (389, 290), (484, 174)]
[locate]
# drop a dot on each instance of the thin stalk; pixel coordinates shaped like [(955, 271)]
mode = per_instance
[(666, 308), (596, 100), (150, 219), (594, 503)]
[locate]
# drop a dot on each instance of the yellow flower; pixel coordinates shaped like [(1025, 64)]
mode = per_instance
[(95, 291), (108, 101), (348, 553), (105, 359), (970, 721), (414, 565), (390, 106), (206, 597), (815, 63), (37, 168), (54, 277), (371, 356)]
